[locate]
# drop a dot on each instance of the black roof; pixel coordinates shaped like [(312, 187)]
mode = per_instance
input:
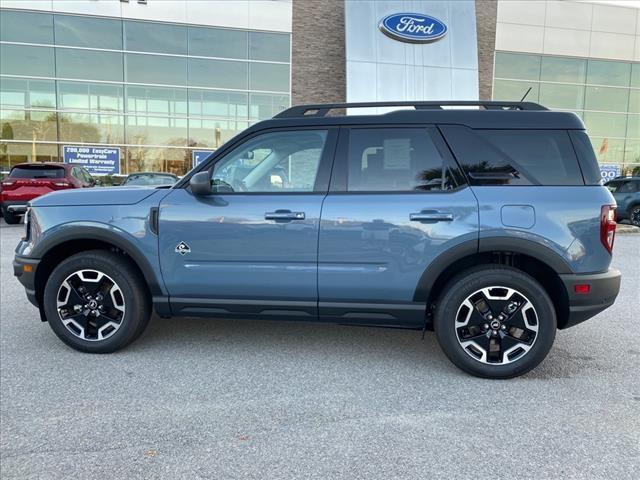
[(512, 115)]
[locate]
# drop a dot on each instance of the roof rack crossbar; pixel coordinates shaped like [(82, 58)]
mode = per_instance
[(322, 109)]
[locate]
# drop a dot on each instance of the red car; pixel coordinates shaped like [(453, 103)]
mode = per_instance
[(27, 181)]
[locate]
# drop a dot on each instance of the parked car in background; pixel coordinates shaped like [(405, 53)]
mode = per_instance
[(27, 181), (150, 179), (626, 191)]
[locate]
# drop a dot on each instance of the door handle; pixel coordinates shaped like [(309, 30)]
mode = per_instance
[(431, 216), (284, 215)]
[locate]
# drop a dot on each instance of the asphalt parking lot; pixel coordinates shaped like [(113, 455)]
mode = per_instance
[(196, 398)]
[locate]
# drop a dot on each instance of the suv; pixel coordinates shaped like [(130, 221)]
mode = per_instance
[(626, 191), (27, 181), (488, 225)]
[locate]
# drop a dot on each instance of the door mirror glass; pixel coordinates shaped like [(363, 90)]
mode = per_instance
[(200, 184)]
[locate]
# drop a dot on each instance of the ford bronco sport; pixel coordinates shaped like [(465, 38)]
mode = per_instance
[(484, 221)]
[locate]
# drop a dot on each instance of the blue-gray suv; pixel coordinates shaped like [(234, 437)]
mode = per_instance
[(486, 222)]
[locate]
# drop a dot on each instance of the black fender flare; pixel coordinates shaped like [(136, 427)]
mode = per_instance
[(469, 248), (105, 234)]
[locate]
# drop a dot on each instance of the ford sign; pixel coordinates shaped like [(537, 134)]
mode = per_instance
[(412, 27)]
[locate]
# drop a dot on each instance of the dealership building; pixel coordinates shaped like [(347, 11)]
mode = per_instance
[(143, 85)]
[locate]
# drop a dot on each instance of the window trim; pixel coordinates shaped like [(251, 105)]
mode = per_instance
[(323, 175), (339, 178)]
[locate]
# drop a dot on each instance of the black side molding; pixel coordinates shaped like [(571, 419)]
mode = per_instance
[(153, 220)]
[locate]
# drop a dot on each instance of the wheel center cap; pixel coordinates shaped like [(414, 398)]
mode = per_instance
[(495, 324), (93, 304)]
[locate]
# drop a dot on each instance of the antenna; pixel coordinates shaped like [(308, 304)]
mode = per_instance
[(525, 95)]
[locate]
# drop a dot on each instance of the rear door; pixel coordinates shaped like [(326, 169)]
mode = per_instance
[(397, 201), (251, 247)]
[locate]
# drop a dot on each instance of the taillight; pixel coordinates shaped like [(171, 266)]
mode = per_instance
[(62, 184), (608, 226), (7, 183)]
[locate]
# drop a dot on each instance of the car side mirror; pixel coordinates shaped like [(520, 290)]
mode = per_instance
[(200, 183)]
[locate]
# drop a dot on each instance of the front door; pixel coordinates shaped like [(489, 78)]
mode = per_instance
[(251, 246), (396, 202)]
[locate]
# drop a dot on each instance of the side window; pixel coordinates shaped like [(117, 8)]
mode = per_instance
[(86, 175), (395, 159), (75, 174), (515, 157), (272, 162), (627, 187)]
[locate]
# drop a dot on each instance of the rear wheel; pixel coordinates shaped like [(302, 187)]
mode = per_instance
[(634, 215), (96, 302), (495, 322), (10, 217)]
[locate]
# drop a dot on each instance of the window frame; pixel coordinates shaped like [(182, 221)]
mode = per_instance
[(339, 178), (323, 175)]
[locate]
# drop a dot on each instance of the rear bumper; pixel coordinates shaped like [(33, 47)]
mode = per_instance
[(603, 290), (27, 277), (15, 206)]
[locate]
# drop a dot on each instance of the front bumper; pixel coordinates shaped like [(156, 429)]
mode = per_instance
[(603, 290), (25, 270)]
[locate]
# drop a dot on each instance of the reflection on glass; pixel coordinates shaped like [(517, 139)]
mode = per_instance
[(635, 75), (211, 103), (269, 76), (608, 150), (512, 91), (265, 106), (89, 64), (634, 101), (217, 73), (632, 152), (604, 72), (90, 96), (92, 32), (155, 37), (607, 99), (27, 27), (562, 96), (211, 133), (633, 126), (269, 46), (28, 125), (156, 131), (517, 66), (605, 124), (217, 42), (145, 159), (26, 60), (91, 128), (27, 93), (13, 153), (562, 69), (142, 68), (156, 100)]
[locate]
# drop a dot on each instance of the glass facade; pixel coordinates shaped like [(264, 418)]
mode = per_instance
[(604, 93), (156, 90)]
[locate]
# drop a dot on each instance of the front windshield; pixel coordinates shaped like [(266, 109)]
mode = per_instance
[(150, 180)]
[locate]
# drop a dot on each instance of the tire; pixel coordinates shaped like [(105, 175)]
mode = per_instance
[(10, 218), (121, 305), (513, 344), (634, 215)]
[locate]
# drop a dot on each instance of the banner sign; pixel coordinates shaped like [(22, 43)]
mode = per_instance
[(609, 172), (197, 156), (97, 160)]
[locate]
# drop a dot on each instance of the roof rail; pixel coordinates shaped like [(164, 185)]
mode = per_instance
[(322, 109)]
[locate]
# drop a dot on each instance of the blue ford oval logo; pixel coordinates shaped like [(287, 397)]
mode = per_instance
[(412, 27)]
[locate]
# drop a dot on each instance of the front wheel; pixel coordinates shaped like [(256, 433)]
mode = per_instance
[(96, 301), (495, 322)]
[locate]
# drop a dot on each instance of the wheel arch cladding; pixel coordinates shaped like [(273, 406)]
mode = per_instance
[(52, 250), (539, 261)]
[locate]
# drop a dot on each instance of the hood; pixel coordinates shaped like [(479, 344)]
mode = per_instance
[(94, 196)]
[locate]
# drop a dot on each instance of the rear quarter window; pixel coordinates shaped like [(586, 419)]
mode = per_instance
[(37, 172), (515, 157)]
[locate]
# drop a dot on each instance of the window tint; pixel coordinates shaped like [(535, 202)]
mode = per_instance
[(272, 162), (269, 46), (73, 30), (155, 37), (37, 172), (89, 64), (26, 60), (155, 69), (515, 157), (395, 159), (27, 27), (217, 42)]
